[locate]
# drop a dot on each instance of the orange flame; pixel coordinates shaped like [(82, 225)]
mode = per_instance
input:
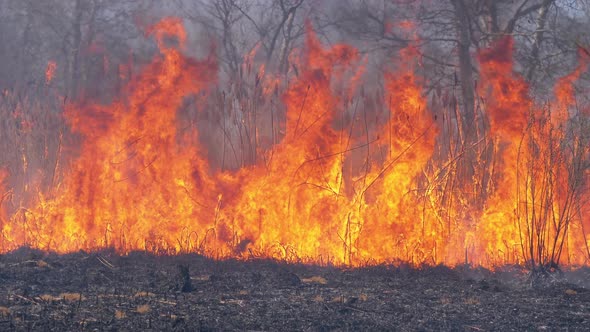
[(322, 193), (50, 71), (564, 89), (508, 107), (392, 228), (292, 204), (3, 177), (134, 181)]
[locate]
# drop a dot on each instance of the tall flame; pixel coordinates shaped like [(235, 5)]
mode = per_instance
[(508, 106), (134, 181), (392, 227), (294, 203), (139, 183)]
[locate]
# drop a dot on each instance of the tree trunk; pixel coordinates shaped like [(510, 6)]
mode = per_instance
[(23, 65), (538, 39), (74, 79), (465, 69), (284, 55), (465, 165)]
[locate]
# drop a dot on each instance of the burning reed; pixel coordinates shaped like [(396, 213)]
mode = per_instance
[(314, 168)]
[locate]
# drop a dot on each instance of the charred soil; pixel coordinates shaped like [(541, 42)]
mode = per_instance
[(106, 291)]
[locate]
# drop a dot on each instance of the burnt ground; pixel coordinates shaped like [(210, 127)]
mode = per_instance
[(142, 292)]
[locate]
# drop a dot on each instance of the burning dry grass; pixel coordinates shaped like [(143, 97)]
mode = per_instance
[(332, 175)]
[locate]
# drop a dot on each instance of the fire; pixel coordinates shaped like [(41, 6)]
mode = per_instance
[(134, 184), (392, 227), (508, 106), (4, 195), (564, 89), (295, 204), (330, 190), (535, 195), (50, 71)]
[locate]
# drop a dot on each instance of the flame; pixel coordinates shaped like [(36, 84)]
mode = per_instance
[(133, 186), (393, 228), (533, 188), (50, 71), (330, 190), (508, 107), (293, 204), (564, 89), (3, 192)]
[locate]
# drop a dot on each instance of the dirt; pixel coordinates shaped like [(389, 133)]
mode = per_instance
[(142, 292)]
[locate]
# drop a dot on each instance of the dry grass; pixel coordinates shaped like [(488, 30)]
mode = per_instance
[(472, 301), (42, 263), (315, 280), (338, 299), (70, 297), (143, 308), (318, 298), (4, 311), (455, 185), (144, 294), (445, 300), (120, 314)]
